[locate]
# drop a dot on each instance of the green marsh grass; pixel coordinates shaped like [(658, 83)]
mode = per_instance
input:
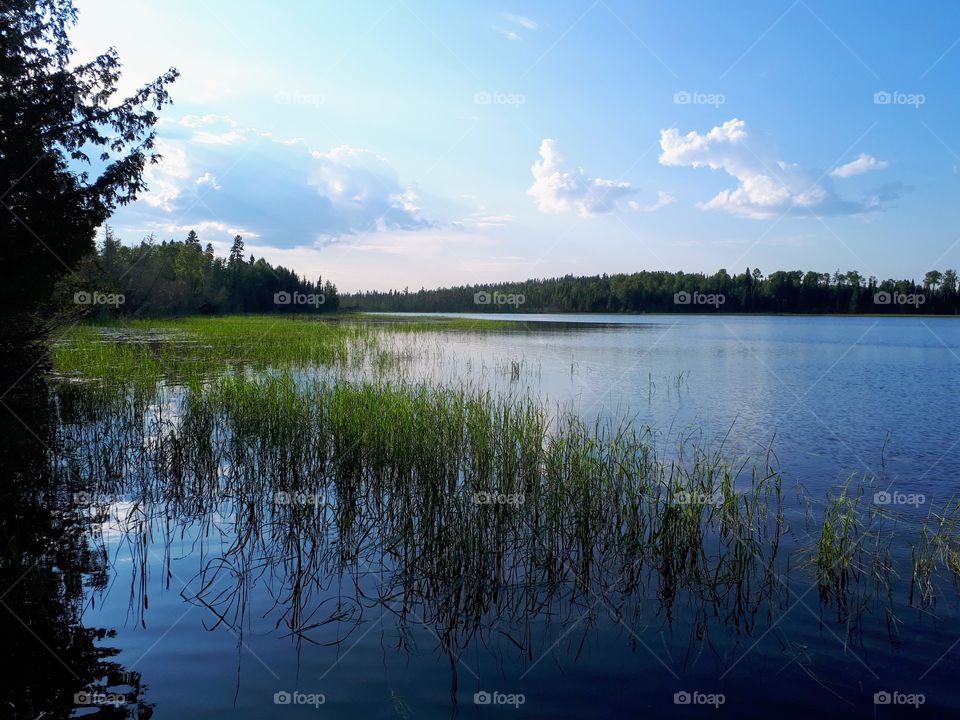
[(182, 349), (464, 502)]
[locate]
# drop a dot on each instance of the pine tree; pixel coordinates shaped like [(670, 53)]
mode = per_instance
[(236, 250)]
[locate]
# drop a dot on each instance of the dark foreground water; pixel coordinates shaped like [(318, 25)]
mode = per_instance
[(199, 619)]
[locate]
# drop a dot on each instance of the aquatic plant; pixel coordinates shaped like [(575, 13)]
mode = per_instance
[(446, 504)]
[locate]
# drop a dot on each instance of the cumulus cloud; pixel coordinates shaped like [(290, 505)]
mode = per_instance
[(281, 190), (167, 179), (208, 179), (663, 199), (557, 188), (863, 164), (767, 186)]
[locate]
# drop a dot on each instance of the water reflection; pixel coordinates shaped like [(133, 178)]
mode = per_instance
[(306, 516), (56, 665), (478, 519)]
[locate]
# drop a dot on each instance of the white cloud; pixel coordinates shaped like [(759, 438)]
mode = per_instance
[(210, 180), (211, 129), (863, 164), (166, 178), (280, 190), (206, 228), (225, 138), (393, 259), (558, 189), (508, 34), (663, 199), (520, 20), (193, 121), (767, 186)]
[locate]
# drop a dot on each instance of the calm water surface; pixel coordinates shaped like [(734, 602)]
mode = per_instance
[(838, 395), (830, 397)]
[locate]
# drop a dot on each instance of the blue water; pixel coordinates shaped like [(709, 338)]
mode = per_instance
[(832, 397), (839, 395)]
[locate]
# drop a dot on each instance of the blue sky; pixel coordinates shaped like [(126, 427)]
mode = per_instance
[(408, 144)]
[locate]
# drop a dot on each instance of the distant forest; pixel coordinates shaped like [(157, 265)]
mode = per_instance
[(178, 277), (182, 277), (792, 291)]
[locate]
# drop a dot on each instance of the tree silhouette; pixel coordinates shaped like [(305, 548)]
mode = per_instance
[(49, 563), (177, 277), (70, 152), (236, 250), (781, 291)]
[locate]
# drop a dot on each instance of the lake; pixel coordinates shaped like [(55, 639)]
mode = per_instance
[(841, 394), (357, 596)]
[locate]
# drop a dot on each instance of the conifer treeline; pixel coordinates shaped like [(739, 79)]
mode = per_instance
[(182, 277), (790, 291)]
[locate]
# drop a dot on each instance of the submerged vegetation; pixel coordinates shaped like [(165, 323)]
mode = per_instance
[(192, 348), (466, 501), (448, 504)]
